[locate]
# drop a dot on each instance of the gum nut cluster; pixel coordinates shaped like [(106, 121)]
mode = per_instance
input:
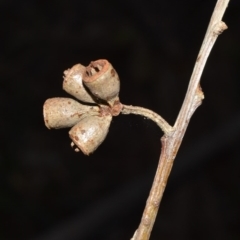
[(98, 85)]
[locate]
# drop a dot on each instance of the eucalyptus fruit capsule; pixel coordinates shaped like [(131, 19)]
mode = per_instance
[(65, 112), (102, 80), (73, 84), (90, 132)]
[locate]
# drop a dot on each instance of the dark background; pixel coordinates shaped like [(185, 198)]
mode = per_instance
[(49, 192)]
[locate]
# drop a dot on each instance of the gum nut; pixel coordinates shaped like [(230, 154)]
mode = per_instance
[(102, 80), (64, 112), (73, 85), (90, 132)]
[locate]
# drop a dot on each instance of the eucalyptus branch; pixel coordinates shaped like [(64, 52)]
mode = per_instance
[(97, 88), (172, 142)]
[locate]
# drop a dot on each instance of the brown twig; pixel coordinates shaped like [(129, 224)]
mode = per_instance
[(166, 128), (171, 142)]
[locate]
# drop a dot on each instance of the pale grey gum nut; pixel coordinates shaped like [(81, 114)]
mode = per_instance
[(65, 112), (102, 80), (73, 84), (90, 132)]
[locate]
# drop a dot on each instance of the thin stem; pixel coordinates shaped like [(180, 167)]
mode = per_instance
[(172, 142), (194, 89), (166, 128)]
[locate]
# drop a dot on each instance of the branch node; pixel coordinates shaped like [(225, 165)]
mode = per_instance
[(219, 27)]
